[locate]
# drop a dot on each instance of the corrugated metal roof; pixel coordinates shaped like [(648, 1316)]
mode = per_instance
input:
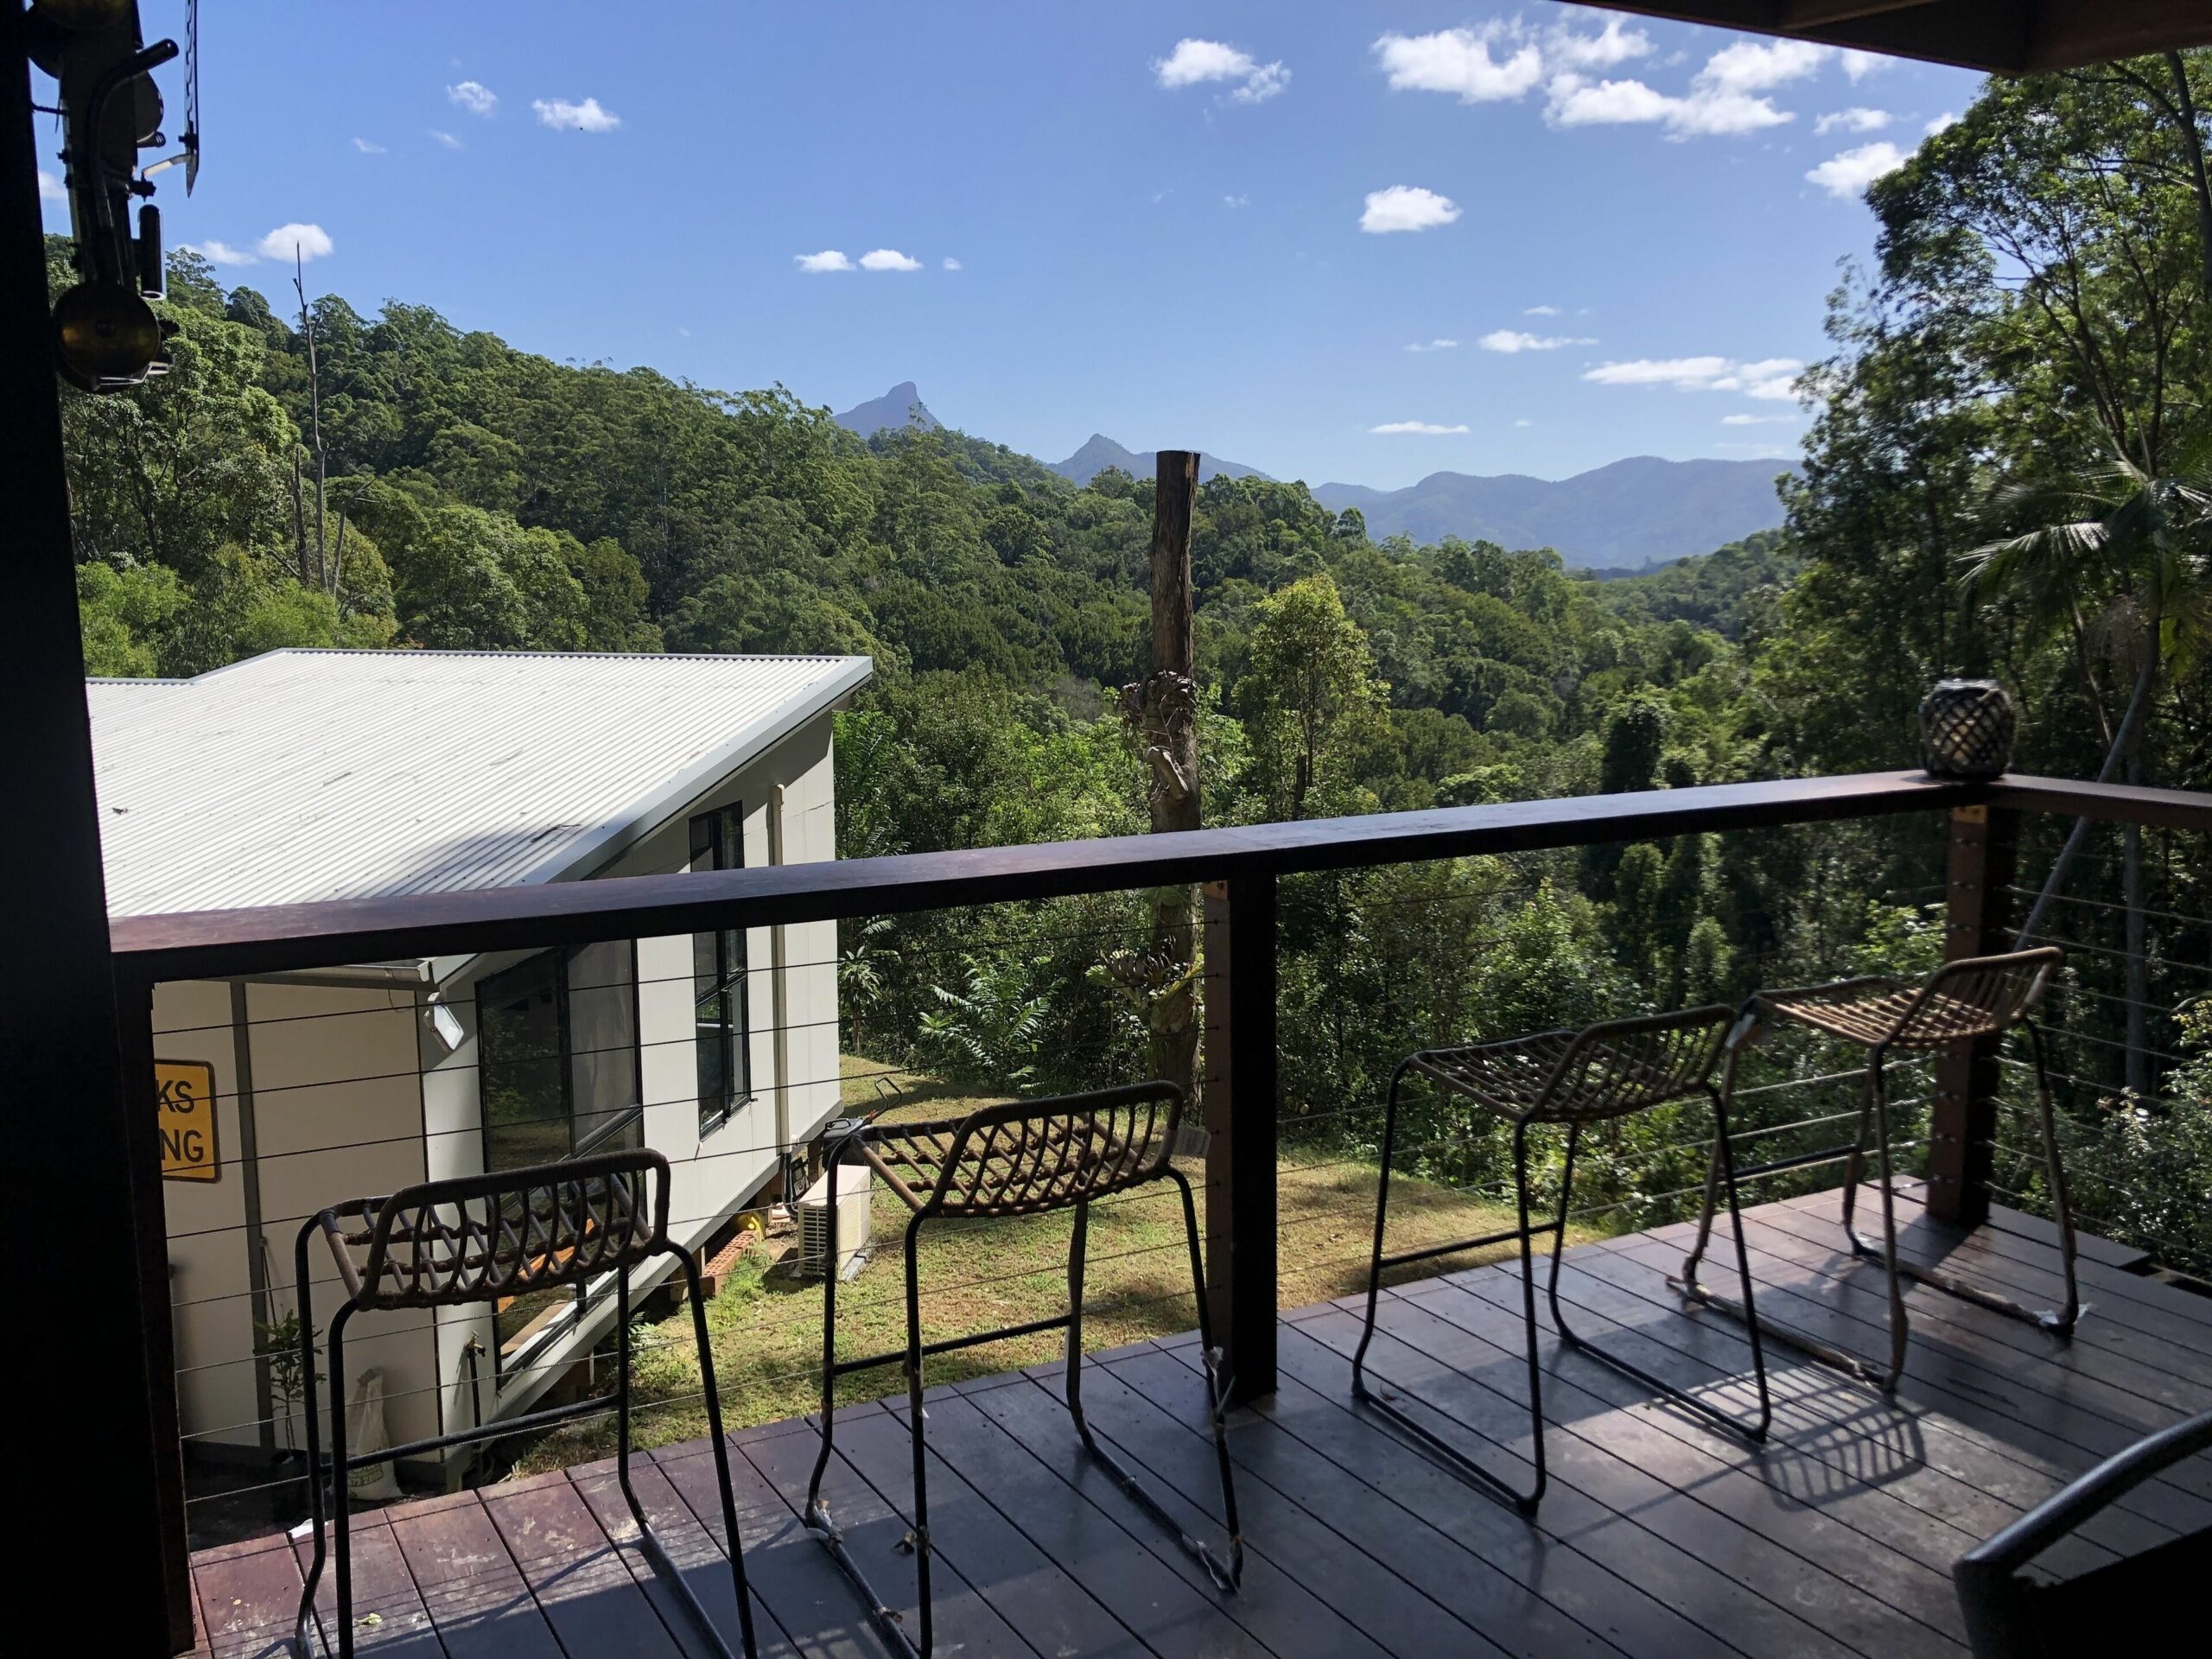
[(302, 775)]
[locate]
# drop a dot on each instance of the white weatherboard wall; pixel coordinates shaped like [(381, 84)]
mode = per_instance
[(714, 1176), (338, 1113), (301, 776)]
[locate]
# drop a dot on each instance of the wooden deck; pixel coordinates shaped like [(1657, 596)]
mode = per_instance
[(1658, 1537)]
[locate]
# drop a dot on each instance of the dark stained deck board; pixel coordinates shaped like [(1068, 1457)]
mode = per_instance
[(1480, 1591), (249, 1596), (692, 1549), (1276, 1609), (1838, 1433), (2068, 1409), (1313, 1413), (577, 1576), (1745, 1591), (965, 1622), (2173, 1317), (478, 1600), (1149, 1598), (1025, 1586), (389, 1616), (1662, 1536), (783, 1567), (2130, 1357), (1615, 1413), (1354, 1579)]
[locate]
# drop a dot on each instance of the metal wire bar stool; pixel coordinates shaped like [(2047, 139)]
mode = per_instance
[(1974, 997), (1025, 1157), (1576, 1078), (482, 1238)]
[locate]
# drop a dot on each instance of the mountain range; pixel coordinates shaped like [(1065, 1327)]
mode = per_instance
[(1623, 516)]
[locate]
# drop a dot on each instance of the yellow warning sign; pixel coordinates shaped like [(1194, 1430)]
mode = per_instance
[(187, 1103)]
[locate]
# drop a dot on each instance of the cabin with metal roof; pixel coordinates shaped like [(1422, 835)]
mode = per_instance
[(299, 777)]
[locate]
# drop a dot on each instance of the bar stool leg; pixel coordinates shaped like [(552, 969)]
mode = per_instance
[(341, 1496), (1528, 1293), (1430, 1443), (1225, 1578), (2064, 1321), (312, 1413), (1855, 1166), (656, 1552), (1382, 1211), (1899, 1331), (722, 1458), (921, 1534), (1216, 1397), (1720, 1176)]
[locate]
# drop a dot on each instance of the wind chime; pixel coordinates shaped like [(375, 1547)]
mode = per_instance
[(106, 335)]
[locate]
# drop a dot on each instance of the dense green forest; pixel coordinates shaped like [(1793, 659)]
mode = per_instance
[(2009, 472)]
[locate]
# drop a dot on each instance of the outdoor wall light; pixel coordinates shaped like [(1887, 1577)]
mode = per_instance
[(441, 1018), (1967, 729)]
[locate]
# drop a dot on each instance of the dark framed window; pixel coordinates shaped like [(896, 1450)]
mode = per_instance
[(557, 1075), (718, 982)]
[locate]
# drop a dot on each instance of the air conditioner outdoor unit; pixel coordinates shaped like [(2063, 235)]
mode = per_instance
[(853, 1226)]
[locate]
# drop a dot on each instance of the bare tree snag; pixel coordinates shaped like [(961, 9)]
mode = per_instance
[(1162, 712)]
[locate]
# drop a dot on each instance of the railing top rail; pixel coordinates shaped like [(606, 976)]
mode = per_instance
[(237, 944)]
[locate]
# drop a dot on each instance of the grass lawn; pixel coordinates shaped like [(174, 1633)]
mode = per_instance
[(765, 1323)]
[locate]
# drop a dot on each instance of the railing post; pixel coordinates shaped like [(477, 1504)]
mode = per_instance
[(133, 1012), (1240, 1112), (1963, 1123)]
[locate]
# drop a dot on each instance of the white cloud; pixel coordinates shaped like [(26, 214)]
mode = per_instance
[(1690, 373), (368, 147), (586, 116), (1850, 172), (1504, 59), (1512, 340), (1858, 118), (1949, 118), (950, 263), (1458, 61), (50, 187), (1433, 346), (828, 259), (1859, 64), (1757, 420), (306, 241), (1406, 207), (1419, 429), (1237, 201), (1771, 378), (475, 97), (888, 259), (1195, 63), (222, 253), (1766, 377), (1542, 311), (1756, 67), (1524, 420), (1262, 84), (446, 138), (1615, 44)]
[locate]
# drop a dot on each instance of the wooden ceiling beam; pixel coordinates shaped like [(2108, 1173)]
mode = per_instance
[(2003, 37)]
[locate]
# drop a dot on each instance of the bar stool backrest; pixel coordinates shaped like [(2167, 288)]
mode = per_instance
[(1977, 996), (1619, 1066), (1026, 1156), (478, 1238)]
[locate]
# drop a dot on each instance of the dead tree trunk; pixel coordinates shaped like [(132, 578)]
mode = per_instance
[(1163, 710)]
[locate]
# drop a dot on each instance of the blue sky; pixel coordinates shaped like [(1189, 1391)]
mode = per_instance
[(1216, 225)]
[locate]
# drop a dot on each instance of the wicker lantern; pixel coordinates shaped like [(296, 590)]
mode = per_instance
[(1967, 729)]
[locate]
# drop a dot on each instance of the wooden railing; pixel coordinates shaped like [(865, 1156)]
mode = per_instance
[(1238, 870)]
